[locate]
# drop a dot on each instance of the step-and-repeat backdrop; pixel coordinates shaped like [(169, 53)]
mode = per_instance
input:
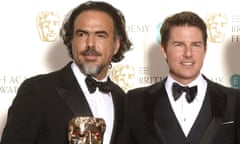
[(30, 42)]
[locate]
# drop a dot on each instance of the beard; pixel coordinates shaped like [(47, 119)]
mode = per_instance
[(89, 69)]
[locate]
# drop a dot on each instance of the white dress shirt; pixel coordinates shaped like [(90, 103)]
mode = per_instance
[(101, 104), (186, 113)]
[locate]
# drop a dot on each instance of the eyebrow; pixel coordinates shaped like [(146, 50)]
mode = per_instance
[(200, 42), (96, 32)]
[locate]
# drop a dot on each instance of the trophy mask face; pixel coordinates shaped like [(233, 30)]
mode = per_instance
[(86, 130)]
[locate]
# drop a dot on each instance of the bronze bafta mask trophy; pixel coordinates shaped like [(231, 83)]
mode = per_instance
[(86, 130)]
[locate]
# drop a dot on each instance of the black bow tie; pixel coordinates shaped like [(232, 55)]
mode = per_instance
[(92, 84), (191, 92)]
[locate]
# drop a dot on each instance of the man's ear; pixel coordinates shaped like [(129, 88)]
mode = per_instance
[(117, 45), (163, 51)]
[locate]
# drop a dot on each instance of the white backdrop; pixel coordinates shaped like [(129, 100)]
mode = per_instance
[(24, 53)]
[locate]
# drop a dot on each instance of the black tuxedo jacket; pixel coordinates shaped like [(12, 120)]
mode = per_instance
[(44, 105), (151, 120)]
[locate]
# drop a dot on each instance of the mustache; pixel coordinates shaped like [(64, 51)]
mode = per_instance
[(91, 51)]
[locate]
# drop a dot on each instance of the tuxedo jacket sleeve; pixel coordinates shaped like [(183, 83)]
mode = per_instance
[(44, 105)]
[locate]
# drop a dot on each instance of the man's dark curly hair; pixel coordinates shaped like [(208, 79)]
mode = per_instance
[(66, 31)]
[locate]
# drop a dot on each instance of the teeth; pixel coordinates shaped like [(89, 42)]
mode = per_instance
[(187, 63)]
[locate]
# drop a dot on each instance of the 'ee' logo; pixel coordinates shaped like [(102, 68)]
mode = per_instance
[(235, 81)]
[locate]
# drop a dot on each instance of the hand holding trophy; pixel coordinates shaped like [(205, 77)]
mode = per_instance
[(86, 130)]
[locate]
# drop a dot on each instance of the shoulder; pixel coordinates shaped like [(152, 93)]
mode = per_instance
[(221, 90), (41, 78), (142, 91), (216, 86), (47, 79)]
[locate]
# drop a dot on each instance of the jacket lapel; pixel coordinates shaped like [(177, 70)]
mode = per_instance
[(218, 101), (75, 101), (117, 97), (151, 99), (72, 94)]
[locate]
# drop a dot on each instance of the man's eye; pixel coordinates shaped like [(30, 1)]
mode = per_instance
[(81, 34), (177, 44), (101, 35), (197, 45)]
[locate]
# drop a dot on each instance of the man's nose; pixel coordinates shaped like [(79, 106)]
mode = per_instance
[(188, 51), (91, 40)]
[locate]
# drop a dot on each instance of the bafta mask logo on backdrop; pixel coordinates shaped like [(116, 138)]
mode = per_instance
[(216, 24), (48, 25), (124, 76), (235, 81)]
